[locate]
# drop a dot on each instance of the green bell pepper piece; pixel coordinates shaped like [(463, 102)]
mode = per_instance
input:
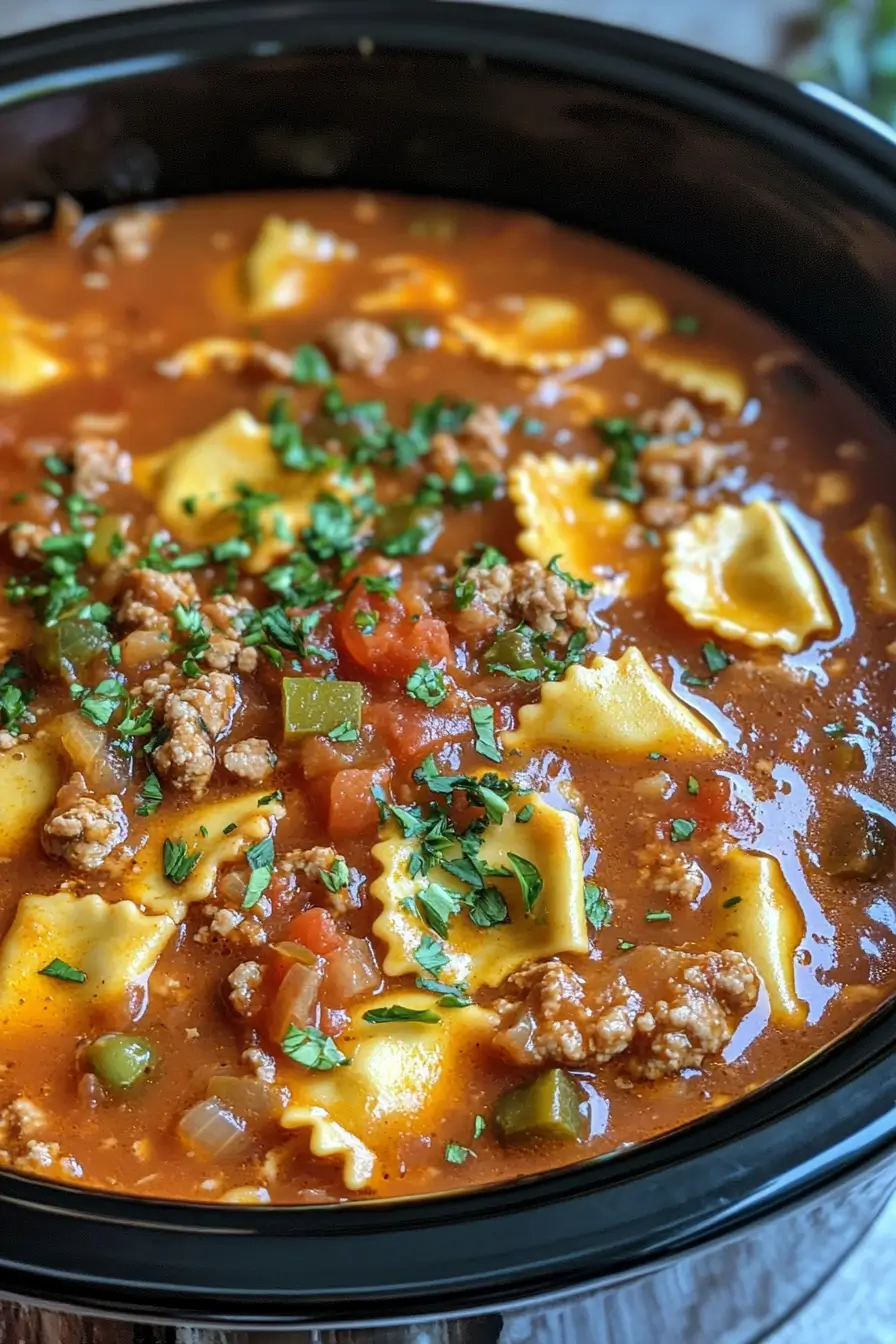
[(119, 1060), (517, 650), (546, 1108), (313, 705)]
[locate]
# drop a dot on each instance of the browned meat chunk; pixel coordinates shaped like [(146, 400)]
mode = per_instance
[(82, 829), (664, 1010), (524, 591), (98, 463), (252, 759), (482, 443), (150, 596), (361, 346), (26, 540), (245, 981), (194, 717)]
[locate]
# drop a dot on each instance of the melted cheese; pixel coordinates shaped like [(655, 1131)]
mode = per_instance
[(146, 883), (550, 840), (766, 923), (30, 774), (539, 332), (209, 467), (26, 361), (741, 573), (712, 383), (876, 537), (413, 283), (290, 265), (401, 1079), (560, 514), (116, 946), (612, 708)]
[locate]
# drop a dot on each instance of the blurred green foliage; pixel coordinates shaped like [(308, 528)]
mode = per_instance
[(855, 53)]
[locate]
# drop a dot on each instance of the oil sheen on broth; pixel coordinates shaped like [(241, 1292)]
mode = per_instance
[(446, 700)]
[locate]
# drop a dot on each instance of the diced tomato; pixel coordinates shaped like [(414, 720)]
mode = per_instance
[(714, 804), (411, 731), (315, 929), (353, 809), (396, 644)]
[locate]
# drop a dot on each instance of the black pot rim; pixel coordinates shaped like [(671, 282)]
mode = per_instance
[(610, 1217)]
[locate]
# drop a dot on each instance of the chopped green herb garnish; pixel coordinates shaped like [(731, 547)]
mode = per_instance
[(275, 797), (731, 902), (58, 969), (261, 855), (716, 659), (485, 742), (229, 829), (310, 365), (658, 916), (834, 729), (580, 586), (626, 441), (397, 1012), (366, 621), (430, 955), (457, 1154), (479, 1126), (177, 861), (624, 945), (682, 828), (150, 796), (525, 814), (336, 877), (598, 910), (686, 324), (310, 1047), (343, 732), (530, 880), (693, 785), (259, 881), (427, 684)]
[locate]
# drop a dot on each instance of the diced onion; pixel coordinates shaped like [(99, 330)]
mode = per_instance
[(250, 1099), (87, 747), (144, 646), (211, 1130), (246, 1194), (295, 1002), (352, 970)]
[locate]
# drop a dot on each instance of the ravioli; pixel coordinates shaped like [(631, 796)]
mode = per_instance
[(758, 914), (208, 469), (412, 283), (715, 384), (560, 514), (876, 537), (485, 956), (401, 1079), (612, 708), (30, 775), (27, 363), (289, 265), (638, 314), (199, 358), (116, 946), (540, 332), (740, 572), (329, 1140), (146, 883)]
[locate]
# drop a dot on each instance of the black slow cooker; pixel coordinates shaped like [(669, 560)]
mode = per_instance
[(713, 1232)]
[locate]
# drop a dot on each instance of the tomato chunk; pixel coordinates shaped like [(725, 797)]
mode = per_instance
[(315, 929), (411, 731), (383, 636), (353, 809)]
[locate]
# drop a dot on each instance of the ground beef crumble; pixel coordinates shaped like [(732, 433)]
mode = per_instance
[(245, 981), (361, 346), (252, 759), (192, 716), (663, 1010), (525, 591), (82, 829), (96, 464)]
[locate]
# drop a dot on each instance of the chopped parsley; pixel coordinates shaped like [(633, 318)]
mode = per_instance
[(261, 855), (731, 902), (437, 904), (336, 877), (580, 586), (343, 732), (682, 828), (100, 702), (366, 621), (479, 1126), (397, 1012), (626, 442), (485, 743), (524, 814), (430, 955), (259, 881), (150, 796), (310, 1047), (625, 946), (834, 729), (693, 785), (598, 910), (57, 969), (136, 721), (14, 698), (177, 861), (191, 624), (457, 1154), (275, 797), (685, 324), (530, 880), (716, 659), (310, 365), (658, 916), (427, 684)]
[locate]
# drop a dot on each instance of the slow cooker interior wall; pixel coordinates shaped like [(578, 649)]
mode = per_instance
[(627, 165)]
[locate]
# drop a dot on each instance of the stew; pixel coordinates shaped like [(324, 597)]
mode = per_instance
[(446, 699)]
